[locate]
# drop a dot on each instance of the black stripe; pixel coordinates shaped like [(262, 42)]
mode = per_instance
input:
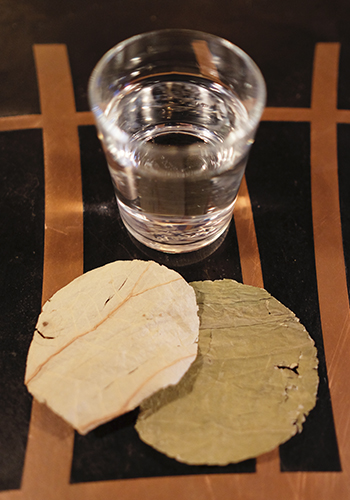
[(344, 78), (21, 260), (114, 450), (279, 184)]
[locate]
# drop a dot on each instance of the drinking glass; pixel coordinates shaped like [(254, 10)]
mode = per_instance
[(176, 112)]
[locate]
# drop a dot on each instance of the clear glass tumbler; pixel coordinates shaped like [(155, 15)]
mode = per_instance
[(176, 112)]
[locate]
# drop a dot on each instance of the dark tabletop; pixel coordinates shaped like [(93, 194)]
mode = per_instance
[(290, 233)]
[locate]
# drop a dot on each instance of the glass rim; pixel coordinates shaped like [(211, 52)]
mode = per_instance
[(254, 114)]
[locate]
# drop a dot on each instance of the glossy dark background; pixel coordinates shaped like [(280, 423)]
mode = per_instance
[(280, 36)]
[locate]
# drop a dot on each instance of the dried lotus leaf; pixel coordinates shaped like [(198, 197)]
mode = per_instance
[(249, 390), (111, 338)]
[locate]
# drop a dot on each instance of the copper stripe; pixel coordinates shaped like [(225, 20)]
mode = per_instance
[(343, 115), (247, 243), (63, 259), (287, 114), (205, 59), (85, 118), (24, 122), (49, 450), (20, 122), (11, 495), (330, 266), (252, 275)]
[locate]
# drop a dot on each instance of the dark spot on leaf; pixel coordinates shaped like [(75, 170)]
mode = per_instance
[(43, 336), (109, 298), (121, 286), (291, 368)]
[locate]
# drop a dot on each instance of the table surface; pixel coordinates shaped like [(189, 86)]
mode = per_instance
[(290, 234)]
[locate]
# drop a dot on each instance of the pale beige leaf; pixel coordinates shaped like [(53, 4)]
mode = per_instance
[(110, 338), (250, 388)]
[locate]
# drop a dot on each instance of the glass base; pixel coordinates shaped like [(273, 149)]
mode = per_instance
[(175, 234)]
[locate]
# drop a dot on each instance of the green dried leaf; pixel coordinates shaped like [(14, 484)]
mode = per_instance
[(249, 390)]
